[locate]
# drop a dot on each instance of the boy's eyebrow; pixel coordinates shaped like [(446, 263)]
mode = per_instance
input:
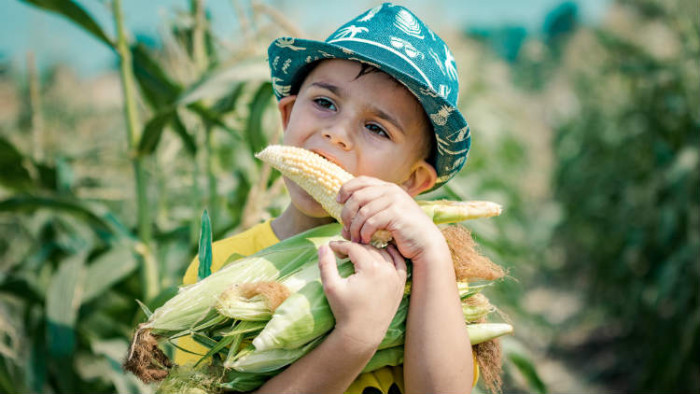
[(382, 114), (334, 89), (388, 118)]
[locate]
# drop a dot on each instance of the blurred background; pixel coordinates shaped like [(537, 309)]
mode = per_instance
[(120, 122)]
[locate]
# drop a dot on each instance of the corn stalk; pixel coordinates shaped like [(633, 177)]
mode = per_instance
[(149, 267)]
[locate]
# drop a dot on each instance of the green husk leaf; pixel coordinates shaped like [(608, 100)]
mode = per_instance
[(205, 256)]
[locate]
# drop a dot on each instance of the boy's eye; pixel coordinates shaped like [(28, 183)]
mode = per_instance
[(378, 130), (325, 103)]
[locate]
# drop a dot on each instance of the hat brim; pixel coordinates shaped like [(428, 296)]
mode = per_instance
[(287, 56)]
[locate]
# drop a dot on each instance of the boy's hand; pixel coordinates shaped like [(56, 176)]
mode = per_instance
[(365, 302), (372, 204)]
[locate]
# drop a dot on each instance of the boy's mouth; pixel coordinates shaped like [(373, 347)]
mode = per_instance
[(328, 158)]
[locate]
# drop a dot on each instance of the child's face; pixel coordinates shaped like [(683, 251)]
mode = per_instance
[(369, 125)]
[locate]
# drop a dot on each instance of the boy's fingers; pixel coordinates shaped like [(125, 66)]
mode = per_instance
[(366, 216), (355, 184), (399, 261), (357, 200), (356, 252), (327, 266)]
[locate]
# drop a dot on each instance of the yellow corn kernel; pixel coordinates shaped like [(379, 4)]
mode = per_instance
[(317, 176)]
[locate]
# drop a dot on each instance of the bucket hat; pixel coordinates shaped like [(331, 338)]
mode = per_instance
[(392, 39)]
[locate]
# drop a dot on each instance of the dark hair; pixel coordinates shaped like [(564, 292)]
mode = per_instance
[(364, 70)]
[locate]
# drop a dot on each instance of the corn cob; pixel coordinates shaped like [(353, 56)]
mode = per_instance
[(191, 310), (306, 315), (478, 333), (323, 179), (263, 361)]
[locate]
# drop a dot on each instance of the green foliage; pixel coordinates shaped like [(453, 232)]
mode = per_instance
[(204, 255), (628, 181), (71, 261)]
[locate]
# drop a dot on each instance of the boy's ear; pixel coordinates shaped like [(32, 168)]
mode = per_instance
[(285, 107), (422, 178)]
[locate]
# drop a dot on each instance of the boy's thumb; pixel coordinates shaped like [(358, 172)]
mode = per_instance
[(327, 265)]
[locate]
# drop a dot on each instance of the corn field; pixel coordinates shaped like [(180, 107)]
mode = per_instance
[(587, 134)]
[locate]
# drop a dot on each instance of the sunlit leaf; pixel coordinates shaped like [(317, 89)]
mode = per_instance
[(147, 311), (221, 83), (108, 269), (62, 303)]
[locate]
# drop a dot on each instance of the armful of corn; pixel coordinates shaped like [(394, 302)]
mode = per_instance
[(267, 310)]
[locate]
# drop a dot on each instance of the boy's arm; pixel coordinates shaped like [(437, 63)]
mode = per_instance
[(437, 349), (363, 305), (330, 368)]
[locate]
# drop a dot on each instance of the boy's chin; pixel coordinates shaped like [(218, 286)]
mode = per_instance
[(304, 203)]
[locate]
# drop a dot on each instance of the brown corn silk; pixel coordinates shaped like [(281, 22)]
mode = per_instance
[(145, 359), (489, 356), (274, 293), (469, 264)]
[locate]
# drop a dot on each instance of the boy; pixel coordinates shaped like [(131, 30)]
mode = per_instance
[(378, 98)]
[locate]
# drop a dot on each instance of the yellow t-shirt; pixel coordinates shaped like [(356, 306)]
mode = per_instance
[(386, 380)]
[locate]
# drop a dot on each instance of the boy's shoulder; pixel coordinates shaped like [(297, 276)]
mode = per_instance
[(244, 243)]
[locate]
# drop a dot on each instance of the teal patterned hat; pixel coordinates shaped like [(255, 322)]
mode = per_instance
[(392, 39)]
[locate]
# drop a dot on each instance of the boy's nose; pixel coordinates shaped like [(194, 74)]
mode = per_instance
[(338, 136)]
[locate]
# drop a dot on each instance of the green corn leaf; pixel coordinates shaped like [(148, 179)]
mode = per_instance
[(162, 297), (255, 135), (159, 90), (107, 270), (528, 371), (145, 309), (244, 381), (62, 303), (210, 117), (187, 140), (221, 83), (391, 356), (204, 248), (244, 327), (76, 14), (153, 131), (228, 103), (13, 174), (204, 340), (36, 366), (76, 208), (225, 341)]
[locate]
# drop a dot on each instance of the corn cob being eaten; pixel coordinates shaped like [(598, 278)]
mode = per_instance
[(323, 179)]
